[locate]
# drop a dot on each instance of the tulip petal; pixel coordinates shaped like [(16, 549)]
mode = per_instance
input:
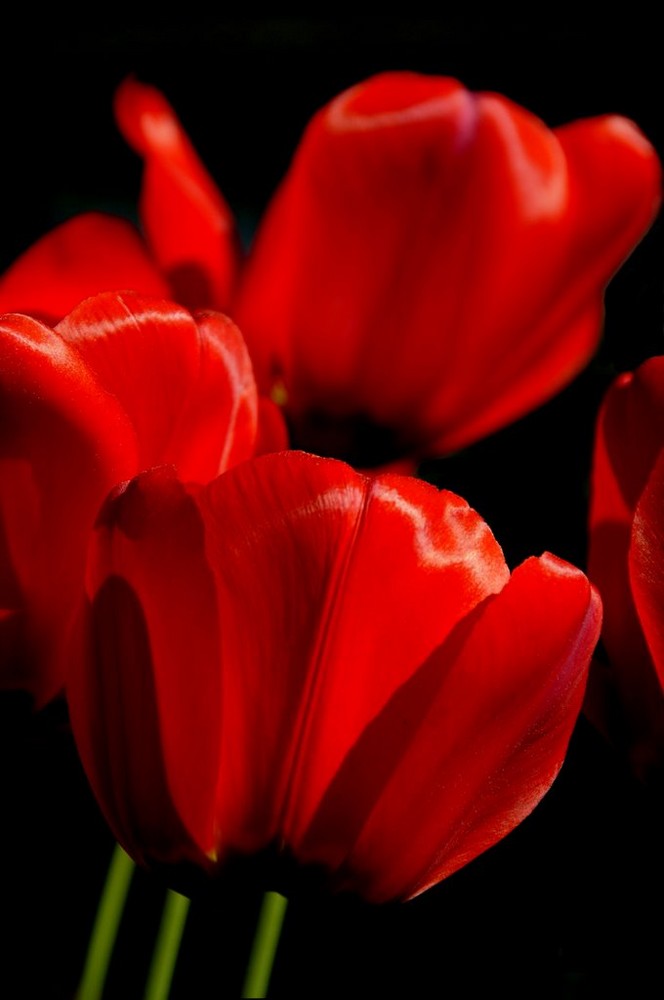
[(420, 221), (333, 588), (646, 564), (144, 689), (89, 253), (188, 225), (466, 748), (623, 699), (64, 442), (185, 382)]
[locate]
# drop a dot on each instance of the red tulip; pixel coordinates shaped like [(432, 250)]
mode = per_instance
[(339, 665), (626, 561), (432, 267), (120, 384)]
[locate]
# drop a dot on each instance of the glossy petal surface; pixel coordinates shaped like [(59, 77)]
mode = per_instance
[(306, 656), (64, 441), (187, 223), (435, 260), (123, 383), (344, 617), (468, 747), (185, 381), (88, 254)]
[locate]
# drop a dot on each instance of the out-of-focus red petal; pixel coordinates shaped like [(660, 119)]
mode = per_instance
[(188, 224), (64, 442), (186, 383), (89, 253), (272, 428), (420, 222), (646, 564), (610, 192), (630, 433), (622, 699), (469, 745), (145, 686), (333, 588)]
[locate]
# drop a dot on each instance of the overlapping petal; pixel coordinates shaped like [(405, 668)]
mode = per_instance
[(123, 383), (358, 642), (148, 718), (185, 380), (511, 679), (64, 441)]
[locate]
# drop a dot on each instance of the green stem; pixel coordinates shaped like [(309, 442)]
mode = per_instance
[(105, 929), (167, 946), (270, 922)]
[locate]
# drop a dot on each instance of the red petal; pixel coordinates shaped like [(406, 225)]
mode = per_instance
[(646, 564), (186, 383), (88, 254), (64, 442), (623, 699), (467, 748), (188, 224), (144, 690), (333, 588), (272, 428), (420, 221), (630, 434)]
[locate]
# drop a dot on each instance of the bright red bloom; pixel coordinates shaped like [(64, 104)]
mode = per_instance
[(120, 384), (432, 267), (339, 665), (626, 561)]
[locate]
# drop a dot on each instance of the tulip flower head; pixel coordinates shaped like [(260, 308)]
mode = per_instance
[(122, 383), (431, 268), (336, 666), (626, 562)]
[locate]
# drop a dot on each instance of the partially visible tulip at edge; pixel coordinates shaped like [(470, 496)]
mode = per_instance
[(626, 561), (122, 383), (336, 667), (431, 268)]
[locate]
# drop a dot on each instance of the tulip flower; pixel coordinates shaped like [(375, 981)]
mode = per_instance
[(626, 561), (122, 383), (335, 665), (431, 268)]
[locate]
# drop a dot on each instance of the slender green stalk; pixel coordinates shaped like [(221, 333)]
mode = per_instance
[(167, 946), (105, 929), (266, 939)]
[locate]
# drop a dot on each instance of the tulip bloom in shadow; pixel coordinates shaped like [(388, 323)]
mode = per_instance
[(431, 268), (122, 383), (626, 561), (335, 666)]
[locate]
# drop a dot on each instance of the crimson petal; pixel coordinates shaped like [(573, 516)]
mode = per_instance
[(333, 587), (185, 382), (64, 442), (467, 748), (646, 564), (188, 225), (420, 221), (89, 253), (144, 688)]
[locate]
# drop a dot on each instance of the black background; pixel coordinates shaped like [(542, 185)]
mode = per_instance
[(569, 904)]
